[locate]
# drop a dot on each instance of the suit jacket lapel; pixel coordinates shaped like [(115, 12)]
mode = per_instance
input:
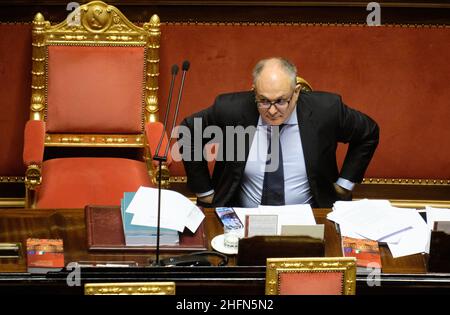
[(308, 136), (235, 169)]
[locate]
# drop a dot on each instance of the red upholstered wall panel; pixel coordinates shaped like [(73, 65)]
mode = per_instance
[(398, 75), (92, 89), (15, 82)]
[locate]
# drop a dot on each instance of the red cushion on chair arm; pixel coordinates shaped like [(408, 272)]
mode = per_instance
[(34, 137), (153, 132)]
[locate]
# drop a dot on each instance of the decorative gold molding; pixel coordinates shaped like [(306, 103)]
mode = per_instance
[(417, 204), (178, 179), (132, 288), (12, 202), (406, 181), (270, 24), (12, 179), (94, 140), (33, 176), (367, 181), (275, 266)]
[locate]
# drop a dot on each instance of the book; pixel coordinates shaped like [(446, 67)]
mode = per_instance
[(139, 235), (367, 253), (104, 232), (44, 255)]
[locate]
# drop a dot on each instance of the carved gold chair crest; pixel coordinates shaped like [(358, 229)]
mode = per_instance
[(94, 99), (311, 276)]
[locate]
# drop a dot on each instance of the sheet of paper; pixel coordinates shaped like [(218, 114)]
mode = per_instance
[(261, 225), (314, 231), (194, 218), (287, 215), (345, 230), (342, 208), (175, 209), (374, 222), (414, 240), (300, 214)]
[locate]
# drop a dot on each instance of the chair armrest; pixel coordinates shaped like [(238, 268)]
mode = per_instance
[(34, 138), (153, 132)]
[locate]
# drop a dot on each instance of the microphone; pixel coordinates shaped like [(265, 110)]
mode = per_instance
[(184, 68), (169, 101), (158, 157)]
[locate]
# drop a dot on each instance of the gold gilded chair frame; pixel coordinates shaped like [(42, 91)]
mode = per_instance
[(94, 24), (132, 288), (276, 266)]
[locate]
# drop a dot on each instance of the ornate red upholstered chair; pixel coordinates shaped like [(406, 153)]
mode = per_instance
[(93, 124), (311, 276)]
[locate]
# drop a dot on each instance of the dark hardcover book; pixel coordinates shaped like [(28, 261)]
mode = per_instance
[(44, 255), (367, 253), (104, 230)]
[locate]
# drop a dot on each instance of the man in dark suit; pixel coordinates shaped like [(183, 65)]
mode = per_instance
[(298, 129)]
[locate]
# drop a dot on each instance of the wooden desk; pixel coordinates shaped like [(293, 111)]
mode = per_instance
[(404, 274)]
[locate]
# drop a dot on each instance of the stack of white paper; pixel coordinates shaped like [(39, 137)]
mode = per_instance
[(301, 214), (404, 230), (177, 211)]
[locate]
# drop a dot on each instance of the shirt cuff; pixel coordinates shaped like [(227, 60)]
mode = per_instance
[(204, 194), (344, 183)]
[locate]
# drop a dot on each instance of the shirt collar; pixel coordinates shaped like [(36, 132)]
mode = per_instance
[(292, 120)]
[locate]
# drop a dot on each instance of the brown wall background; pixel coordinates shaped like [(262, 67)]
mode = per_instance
[(397, 74)]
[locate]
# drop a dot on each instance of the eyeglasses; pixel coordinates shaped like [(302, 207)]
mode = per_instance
[(279, 103)]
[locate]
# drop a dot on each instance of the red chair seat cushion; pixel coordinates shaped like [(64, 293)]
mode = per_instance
[(311, 283), (76, 182)]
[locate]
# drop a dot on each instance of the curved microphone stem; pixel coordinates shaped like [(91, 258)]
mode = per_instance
[(169, 101), (185, 68)]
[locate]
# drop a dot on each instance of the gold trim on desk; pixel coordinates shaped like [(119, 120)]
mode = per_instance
[(130, 288), (12, 202)]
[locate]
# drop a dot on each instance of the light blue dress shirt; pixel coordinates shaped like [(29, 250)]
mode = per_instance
[(296, 187)]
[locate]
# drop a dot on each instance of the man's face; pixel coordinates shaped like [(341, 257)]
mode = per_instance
[(276, 99)]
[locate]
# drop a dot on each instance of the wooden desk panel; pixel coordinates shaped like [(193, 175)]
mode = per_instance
[(16, 225), (403, 275)]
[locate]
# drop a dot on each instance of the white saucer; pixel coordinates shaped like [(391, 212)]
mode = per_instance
[(217, 244)]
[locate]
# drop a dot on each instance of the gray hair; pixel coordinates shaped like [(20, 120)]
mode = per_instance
[(285, 64)]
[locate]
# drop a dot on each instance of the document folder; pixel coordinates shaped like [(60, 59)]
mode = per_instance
[(105, 232)]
